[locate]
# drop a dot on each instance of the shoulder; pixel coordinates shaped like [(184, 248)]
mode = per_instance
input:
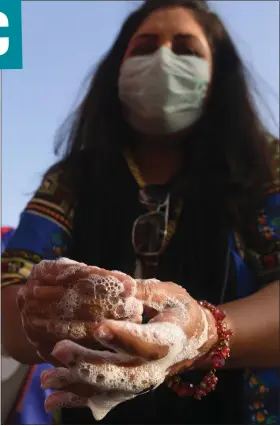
[(45, 226)]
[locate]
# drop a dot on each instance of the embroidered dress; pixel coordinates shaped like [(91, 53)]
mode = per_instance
[(45, 232)]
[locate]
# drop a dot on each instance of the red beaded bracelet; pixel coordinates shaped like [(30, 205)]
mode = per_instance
[(217, 355)]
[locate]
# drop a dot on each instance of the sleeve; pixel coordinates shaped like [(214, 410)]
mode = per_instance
[(44, 230), (262, 250)]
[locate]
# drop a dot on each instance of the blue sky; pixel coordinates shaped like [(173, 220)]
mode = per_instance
[(62, 41)]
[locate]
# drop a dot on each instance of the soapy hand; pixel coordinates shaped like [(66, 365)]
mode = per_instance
[(64, 299), (179, 332)]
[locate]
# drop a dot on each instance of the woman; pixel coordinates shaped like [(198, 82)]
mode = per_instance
[(168, 113)]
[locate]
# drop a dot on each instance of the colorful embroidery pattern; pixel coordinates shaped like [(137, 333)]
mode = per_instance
[(53, 202), (44, 231), (265, 226), (55, 247), (50, 212), (259, 413), (17, 265), (267, 259)]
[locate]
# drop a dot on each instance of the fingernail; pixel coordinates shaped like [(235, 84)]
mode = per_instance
[(52, 382), (46, 379), (129, 288), (63, 399), (33, 284), (66, 357), (43, 375), (104, 333), (36, 289), (46, 384), (37, 322)]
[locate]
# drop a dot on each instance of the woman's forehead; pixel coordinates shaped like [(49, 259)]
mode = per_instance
[(173, 20)]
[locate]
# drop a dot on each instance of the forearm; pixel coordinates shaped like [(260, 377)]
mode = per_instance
[(255, 323), (14, 340)]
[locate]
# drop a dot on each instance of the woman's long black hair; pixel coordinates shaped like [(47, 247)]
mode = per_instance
[(231, 163)]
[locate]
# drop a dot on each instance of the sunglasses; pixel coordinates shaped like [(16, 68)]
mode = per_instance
[(150, 229)]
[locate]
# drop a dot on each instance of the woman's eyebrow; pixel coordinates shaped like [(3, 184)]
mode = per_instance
[(145, 36), (195, 41), (187, 36)]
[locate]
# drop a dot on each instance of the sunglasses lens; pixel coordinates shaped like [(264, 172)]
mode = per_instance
[(149, 233)]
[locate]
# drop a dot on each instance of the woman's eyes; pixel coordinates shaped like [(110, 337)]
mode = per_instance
[(143, 49), (177, 48), (182, 49), (186, 46)]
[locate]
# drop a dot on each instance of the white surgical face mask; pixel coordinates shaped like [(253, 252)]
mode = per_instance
[(163, 92)]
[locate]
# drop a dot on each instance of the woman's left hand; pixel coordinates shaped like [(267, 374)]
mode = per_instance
[(179, 332)]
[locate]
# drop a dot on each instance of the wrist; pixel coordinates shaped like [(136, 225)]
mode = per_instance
[(217, 353), (219, 337), (202, 361), (212, 332)]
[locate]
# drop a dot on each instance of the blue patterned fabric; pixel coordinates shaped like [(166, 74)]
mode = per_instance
[(261, 387)]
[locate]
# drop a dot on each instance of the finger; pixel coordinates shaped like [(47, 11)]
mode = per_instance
[(46, 292), (42, 308), (128, 282), (45, 307), (57, 378), (64, 400), (36, 328), (38, 292), (70, 354), (65, 272), (96, 287), (64, 379), (77, 330), (99, 286), (36, 334), (53, 329), (83, 390), (104, 372), (138, 340), (101, 283), (92, 310), (59, 272)]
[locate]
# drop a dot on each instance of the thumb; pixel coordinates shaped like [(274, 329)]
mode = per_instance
[(138, 340), (149, 341)]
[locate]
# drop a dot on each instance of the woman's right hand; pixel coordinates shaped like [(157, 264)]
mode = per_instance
[(64, 299)]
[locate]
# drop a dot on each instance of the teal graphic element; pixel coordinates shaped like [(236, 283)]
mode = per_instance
[(10, 34)]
